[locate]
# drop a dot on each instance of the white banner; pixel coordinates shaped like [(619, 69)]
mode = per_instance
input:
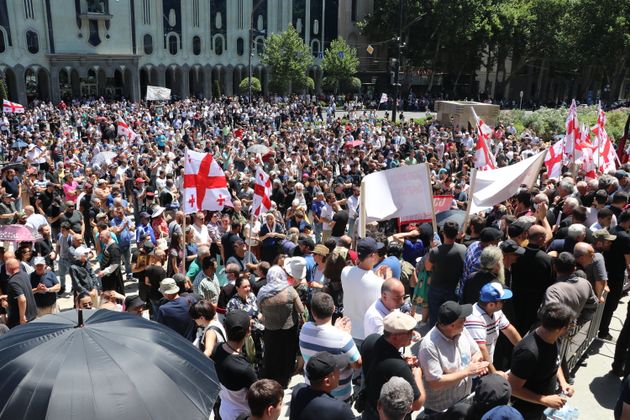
[(497, 185), (399, 192), (157, 93)]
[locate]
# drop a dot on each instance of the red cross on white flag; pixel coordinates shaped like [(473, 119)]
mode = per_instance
[(484, 159), (262, 193), (9, 107), (553, 160), (125, 130), (572, 135), (205, 186)]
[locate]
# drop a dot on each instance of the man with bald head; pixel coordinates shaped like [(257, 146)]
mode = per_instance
[(592, 263), (22, 306), (531, 275), (392, 298)]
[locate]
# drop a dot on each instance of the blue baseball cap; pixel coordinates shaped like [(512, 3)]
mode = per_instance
[(503, 412), (492, 292)]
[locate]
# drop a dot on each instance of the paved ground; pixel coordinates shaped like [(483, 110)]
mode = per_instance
[(596, 390)]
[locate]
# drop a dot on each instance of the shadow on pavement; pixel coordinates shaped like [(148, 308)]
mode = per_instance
[(605, 389)]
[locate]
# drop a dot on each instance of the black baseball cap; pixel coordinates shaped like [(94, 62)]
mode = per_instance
[(511, 247), (132, 302), (518, 227), (489, 234), (366, 246), (237, 320), (307, 242), (323, 364), (452, 311)]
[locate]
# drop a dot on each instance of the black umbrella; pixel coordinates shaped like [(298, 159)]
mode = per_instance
[(18, 167), (116, 366), (450, 216)]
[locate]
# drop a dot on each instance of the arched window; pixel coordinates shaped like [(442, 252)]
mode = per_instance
[(240, 46), (2, 44), (196, 45), (172, 44), (32, 42), (218, 45), (260, 46), (148, 44)]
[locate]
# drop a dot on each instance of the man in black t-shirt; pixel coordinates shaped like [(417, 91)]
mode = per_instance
[(340, 220), (383, 360), (616, 259), (234, 371), (536, 374), (22, 306), (311, 402), (446, 263)]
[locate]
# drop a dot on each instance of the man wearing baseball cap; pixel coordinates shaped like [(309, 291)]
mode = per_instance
[(45, 287), (383, 361), (449, 347), (312, 402), (361, 286), (487, 320), (235, 373)]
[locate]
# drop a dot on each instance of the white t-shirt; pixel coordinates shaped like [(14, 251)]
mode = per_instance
[(360, 289), (201, 235), (327, 212)]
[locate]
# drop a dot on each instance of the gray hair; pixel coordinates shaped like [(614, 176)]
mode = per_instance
[(203, 250), (566, 185), (541, 198), (489, 258), (593, 184), (576, 231), (572, 202), (396, 398)]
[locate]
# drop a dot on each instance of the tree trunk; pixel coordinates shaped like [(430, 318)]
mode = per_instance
[(435, 57)]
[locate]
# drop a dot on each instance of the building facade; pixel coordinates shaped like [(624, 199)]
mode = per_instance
[(54, 49)]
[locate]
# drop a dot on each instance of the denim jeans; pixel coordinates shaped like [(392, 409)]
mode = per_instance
[(437, 297)]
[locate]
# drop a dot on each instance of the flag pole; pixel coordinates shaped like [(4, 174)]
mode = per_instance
[(473, 181), (433, 218), (249, 237)]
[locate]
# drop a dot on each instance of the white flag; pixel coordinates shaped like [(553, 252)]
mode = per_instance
[(9, 107), (383, 98), (205, 185), (125, 130), (497, 185), (157, 93), (399, 192)]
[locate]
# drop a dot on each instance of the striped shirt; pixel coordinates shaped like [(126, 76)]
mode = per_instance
[(317, 338), (484, 328)]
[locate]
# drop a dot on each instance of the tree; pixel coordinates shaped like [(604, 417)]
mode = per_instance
[(289, 58), (340, 63), (244, 85), (3, 89), (216, 89)]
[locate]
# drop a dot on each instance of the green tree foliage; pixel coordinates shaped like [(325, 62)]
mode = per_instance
[(3, 89), (289, 58), (216, 89), (340, 64), (584, 40), (244, 85)]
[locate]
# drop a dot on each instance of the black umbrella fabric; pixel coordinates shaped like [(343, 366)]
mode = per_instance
[(117, 366), (450, 216)]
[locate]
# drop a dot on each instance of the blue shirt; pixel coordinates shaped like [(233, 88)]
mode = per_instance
[(413, 250), (145, 230), (124, 237)]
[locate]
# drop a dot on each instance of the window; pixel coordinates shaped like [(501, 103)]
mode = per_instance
[(172, 44), (218, 45), (2, 44), (354, 11), (196, 45), (32, 42), (260, 46), (240, 46), (148, 44)]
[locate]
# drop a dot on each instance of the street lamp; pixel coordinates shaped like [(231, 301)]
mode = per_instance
[(251, 48), (397, 65)]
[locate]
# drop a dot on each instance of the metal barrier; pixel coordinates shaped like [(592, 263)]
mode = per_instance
[(576, 343)]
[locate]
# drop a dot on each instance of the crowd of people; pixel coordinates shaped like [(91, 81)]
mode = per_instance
[(295, 291)]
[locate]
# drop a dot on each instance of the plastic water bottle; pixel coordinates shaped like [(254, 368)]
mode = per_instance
[(436, 239)]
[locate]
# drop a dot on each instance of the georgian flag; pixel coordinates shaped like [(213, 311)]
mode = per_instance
[(607, 155), (484, 159), (261, 202), (572, 134), (205, 186), (9, 107), (553, 160), (125, 130), (383, 98)]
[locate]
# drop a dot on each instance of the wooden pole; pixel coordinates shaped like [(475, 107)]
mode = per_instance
[(473, 181), (433, 218)]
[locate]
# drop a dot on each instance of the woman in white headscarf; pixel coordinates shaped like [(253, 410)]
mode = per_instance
[(282, 312)]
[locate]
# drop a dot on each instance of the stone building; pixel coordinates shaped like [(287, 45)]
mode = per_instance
[(54, 49)]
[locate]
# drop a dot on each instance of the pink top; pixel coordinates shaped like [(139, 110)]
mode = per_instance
[(70, 191)]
